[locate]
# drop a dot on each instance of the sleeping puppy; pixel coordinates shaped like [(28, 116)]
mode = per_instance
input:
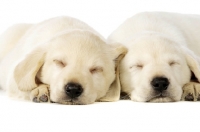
[(163, 53), (61, 60)]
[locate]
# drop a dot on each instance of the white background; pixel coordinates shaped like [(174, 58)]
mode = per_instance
[(104, 16)]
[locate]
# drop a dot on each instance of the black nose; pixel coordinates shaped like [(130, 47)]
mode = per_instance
[(73, 90), (160, 84)]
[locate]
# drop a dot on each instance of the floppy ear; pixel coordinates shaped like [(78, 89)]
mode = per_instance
[(26, 71), (113, 93), (193, 62)]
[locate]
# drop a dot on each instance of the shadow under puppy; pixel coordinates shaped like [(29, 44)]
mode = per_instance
[(61, 60), (163, 52)]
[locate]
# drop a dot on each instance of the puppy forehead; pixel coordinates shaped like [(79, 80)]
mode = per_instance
[(155, 45), (154, 50), (78, 40), (83, 47)]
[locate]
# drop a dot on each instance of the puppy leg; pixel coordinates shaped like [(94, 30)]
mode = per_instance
[(40, 94), (191, 92)]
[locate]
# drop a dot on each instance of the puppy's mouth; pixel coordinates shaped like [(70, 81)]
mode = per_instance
[(68, 102), (161, 98), (72, 103)]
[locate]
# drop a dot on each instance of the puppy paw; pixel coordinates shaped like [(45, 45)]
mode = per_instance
[(40, 94), (104, 100), (107, 99), (191, 92)]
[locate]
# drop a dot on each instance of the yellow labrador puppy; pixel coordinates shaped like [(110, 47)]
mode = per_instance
[(61, 60), (163, 52)]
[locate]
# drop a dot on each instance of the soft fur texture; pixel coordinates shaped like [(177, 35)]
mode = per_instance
[(37, 61), (163, 45)]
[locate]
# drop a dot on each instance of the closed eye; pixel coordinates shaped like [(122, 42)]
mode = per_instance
[(59, 63), (94, 70), (172, 63), (140, 66)]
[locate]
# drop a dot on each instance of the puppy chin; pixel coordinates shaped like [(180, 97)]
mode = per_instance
[(161, 100), (71, 103), (155, 99), (67, 101)]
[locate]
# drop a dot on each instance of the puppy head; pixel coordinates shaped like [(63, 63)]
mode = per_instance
[(78, 65), (155, 69)]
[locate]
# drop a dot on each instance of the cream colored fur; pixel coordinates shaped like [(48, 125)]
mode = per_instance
[(159, 45), (38, 60)]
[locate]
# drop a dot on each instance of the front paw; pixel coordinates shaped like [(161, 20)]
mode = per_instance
[(191, 92), (40, 94)]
